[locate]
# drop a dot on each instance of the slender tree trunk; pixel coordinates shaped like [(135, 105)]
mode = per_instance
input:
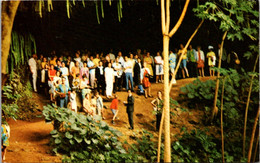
[(167, 143), (215, 109), (253, 136), (221, 121), (247, 105), (160, 137), (256, 146), (165, 16), (186, 46), (9, 9)]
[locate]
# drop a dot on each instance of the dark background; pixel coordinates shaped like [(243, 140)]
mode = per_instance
[(140, 27)]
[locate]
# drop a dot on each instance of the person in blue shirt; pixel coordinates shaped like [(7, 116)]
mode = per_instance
[(63, 91), (172, 64)]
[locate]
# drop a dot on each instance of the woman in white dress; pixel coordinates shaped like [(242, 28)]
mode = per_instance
[(65, 72), (73, 101), (158, 67), (109, 78)]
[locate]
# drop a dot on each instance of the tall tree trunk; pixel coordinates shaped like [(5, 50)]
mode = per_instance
[(186, 46), (215, 109), (253, 136), (247, 105), (221, 121), (160, 137), (256, 145), (9, 9), (165, 16)]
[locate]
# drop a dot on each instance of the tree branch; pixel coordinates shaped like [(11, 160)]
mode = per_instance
[(177, 25)]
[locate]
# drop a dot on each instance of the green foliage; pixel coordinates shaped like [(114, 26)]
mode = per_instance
[(22, 47), (235, 95), (81, 137), (238, 17)]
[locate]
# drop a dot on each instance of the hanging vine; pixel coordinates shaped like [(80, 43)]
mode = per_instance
[(22, 47)]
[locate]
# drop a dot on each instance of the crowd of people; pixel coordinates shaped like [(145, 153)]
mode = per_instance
[(63, 77)]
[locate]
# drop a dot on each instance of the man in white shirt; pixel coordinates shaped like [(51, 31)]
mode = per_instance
[(111, 55), (91, 67), (33, 68), (128, 73), (118, 73), (121, 58)]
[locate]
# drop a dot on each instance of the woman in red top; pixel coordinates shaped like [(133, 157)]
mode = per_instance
[(114, 108), (146, 83), (51, 73)]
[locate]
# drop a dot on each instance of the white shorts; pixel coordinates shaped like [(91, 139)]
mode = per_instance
[(158, 69)]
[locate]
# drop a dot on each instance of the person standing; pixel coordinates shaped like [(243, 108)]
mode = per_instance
[(65, 72), (138, 75), (99, 105), (73, 101), (111, 55), (114, 108), (192, 61), (118, 74), (130, 109), (100, 78), (91, 67), (96, 60), (149, 60), (172, 60), (84, 71), (110, 79), (157, 107), (200, 61), (146, 80), (158, 67), (121, 58), (184, 61), (128, 73), (63, 90), (33, 68), (211, 60)]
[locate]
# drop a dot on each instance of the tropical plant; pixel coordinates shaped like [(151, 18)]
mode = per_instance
[(79, 137)]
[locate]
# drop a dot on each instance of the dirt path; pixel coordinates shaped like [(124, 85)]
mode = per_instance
[(29, 139)]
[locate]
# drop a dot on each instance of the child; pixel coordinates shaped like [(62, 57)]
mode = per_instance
[(5, 133), (73, 101), (114, 108), (76, 82), (99, 105), (93, 104)]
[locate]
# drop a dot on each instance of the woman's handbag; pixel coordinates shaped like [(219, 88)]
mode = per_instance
[(200, 64), (62, 95)]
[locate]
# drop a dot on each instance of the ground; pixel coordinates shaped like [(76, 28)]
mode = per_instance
[(29, 141)]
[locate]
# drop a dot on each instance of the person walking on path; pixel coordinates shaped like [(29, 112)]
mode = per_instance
[(130, 109), (157, 106), (114, 108)]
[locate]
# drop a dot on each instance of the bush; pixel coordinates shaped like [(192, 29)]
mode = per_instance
[(79, 137)]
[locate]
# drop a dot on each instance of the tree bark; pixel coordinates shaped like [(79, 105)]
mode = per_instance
[(215, 109), (256, 146), (9, 9), (253, 136), (166, 40), (160, 137), (247, 105)]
